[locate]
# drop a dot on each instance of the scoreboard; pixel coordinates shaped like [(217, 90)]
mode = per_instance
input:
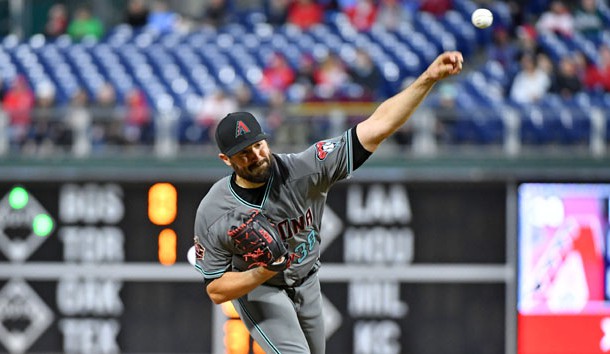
[(91, 260), (102, 267)]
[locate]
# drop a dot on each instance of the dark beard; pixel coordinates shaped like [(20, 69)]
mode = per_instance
[(258, 176)]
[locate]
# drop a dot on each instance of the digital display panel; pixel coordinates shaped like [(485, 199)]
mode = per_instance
[(102, 267), (563, 290)]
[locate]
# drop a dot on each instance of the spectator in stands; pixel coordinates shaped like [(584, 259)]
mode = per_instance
[(161, 18), (305, 13), (216, 13), (45, 125), (275, 120), (588, 20), (276, 11), (57, 21), (545, 64), (448, 114), (278, 75), (106, 115), (527, 44), (365, 73), (557, 19), (437, 8), (362, 14), (78, 120), (18, 103), (517, 16), (392, 13), (137, 14), (531, 83), (213, 108), (84, 24), (139, 127), (524, 11), (597, 76), (566, 81), (105, 101), (302, 90), (581, 64), (244, 97), (502, 49), (331, 76)]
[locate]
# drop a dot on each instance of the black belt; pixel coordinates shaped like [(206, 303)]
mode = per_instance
[(301, 281)]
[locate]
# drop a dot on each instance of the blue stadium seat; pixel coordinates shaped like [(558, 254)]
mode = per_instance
[(465, 7), (604, 10), (495, 72), (580, 43), (8, 70), (437, 34), (553, 46), (502, 14), (61, 73), (463, 30), (534, 127), (421, 45)]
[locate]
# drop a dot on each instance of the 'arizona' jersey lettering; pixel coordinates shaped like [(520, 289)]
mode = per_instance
[(290, 227)]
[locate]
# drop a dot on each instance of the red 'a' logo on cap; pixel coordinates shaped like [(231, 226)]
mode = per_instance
[(241, 128)]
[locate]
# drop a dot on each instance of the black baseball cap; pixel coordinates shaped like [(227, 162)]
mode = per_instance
[(236, 131)]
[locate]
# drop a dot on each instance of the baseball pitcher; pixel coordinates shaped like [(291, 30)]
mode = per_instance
[(257, 231)]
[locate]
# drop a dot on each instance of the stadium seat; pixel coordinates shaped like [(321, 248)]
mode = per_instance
[(534, 129), (437, 34), (421, 45), (580, 43), (553, 46), (462, 29)]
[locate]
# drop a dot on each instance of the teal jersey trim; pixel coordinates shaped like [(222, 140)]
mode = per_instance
[(348, 151), (200, 270), (212, 275), (243, 307)]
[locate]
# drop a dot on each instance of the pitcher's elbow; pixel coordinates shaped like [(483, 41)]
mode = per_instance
[(217, 298)]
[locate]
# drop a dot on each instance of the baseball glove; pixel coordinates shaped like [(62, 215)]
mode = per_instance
[(260, 243)]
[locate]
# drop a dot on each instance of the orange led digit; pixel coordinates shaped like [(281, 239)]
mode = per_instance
[(236, 337), (167, 247), (162, 203), (229, 310)]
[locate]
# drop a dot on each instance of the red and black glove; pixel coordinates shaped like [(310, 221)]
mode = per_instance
[(260, 243)]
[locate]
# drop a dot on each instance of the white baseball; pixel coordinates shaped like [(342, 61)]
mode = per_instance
[(482, 18)]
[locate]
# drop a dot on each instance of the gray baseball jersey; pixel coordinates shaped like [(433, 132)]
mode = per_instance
[(294, 201), (284, 315)]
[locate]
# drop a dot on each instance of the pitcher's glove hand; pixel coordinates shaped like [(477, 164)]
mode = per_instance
[(260, 243)]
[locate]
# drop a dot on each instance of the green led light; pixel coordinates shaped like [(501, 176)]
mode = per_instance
[(18, 198), (42, 225)]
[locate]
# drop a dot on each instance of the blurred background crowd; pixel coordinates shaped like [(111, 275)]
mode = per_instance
[(99, 77)]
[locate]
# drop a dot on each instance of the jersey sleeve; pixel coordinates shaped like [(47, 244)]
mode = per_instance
[(213, 258), (333, 158)]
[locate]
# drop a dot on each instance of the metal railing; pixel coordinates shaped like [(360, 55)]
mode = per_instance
[(103, 132)]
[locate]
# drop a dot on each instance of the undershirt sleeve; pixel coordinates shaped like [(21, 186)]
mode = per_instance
[(360, 154)]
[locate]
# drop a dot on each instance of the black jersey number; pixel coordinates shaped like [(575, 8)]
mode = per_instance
[(303, 248)]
